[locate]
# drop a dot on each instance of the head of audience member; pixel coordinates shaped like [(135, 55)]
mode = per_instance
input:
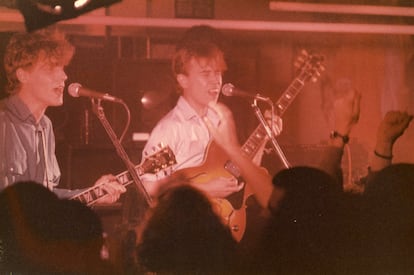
[(24, 203), (388, 220), (183, 235), (42, 233), (304, 234), (35, 61)]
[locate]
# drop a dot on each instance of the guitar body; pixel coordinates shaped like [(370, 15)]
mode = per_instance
[(231, 209)]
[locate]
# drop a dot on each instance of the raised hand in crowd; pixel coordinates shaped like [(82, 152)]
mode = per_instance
[(346, 116), (389, 130)]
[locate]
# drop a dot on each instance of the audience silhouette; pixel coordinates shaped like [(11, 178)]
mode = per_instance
[(304, 234), (184, 235), (41, 233), (387, 221)]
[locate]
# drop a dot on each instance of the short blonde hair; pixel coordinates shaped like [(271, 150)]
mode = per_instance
[(197, 50), (26, 49)]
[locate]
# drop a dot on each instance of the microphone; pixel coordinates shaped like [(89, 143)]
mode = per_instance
[(228, 89), (76, 90)]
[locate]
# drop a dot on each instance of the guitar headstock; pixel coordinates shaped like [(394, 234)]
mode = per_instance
[(161, 159), (309, 66)]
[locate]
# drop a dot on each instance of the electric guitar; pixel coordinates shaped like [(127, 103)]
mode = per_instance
[(232, 209), (160, 160)]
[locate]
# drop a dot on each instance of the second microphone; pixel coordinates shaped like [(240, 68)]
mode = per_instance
[(229, 89), (76, 90)]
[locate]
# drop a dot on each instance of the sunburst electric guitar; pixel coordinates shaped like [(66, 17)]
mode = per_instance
[(232, 209), (162, 159)]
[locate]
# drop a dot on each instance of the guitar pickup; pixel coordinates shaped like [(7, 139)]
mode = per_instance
[(232, 169)]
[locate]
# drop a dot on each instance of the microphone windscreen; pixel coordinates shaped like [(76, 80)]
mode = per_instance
[(73, 89), (227, 89)]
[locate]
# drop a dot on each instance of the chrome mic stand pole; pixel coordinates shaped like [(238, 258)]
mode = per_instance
[(269, 130), (98, 110)]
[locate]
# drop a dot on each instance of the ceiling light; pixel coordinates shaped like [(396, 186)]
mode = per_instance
[(41, 13)]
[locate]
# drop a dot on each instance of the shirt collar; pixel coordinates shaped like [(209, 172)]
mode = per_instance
[(184, 107), (19, 109)]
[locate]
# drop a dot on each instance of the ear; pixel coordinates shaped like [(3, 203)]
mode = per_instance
[(182, 80), (21, 75)]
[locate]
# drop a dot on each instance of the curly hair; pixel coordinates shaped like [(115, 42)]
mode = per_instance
[(24, 50)]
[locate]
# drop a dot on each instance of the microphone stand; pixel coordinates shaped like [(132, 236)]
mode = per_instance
[(99, 112), (269, 130)]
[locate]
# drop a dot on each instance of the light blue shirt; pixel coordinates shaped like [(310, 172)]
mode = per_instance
[(22, 143), (21, 146)]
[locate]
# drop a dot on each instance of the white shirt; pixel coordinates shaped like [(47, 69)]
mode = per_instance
[(184, 131)]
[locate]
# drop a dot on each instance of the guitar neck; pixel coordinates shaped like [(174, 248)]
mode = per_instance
[(256, 139), (289, 95), (94, 193), (252, 145), (160, 160)]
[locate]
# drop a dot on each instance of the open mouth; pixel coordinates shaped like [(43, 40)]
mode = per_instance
[(59, 90), (214, 92)]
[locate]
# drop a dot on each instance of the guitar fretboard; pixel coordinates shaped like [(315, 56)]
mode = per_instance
[(92, 194), (158, 161), (289, 95), (252, 145), (256, 139)]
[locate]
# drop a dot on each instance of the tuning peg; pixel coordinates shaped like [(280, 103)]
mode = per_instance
[(166, 172), (301, 59), (304, 52), (321, 68)]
